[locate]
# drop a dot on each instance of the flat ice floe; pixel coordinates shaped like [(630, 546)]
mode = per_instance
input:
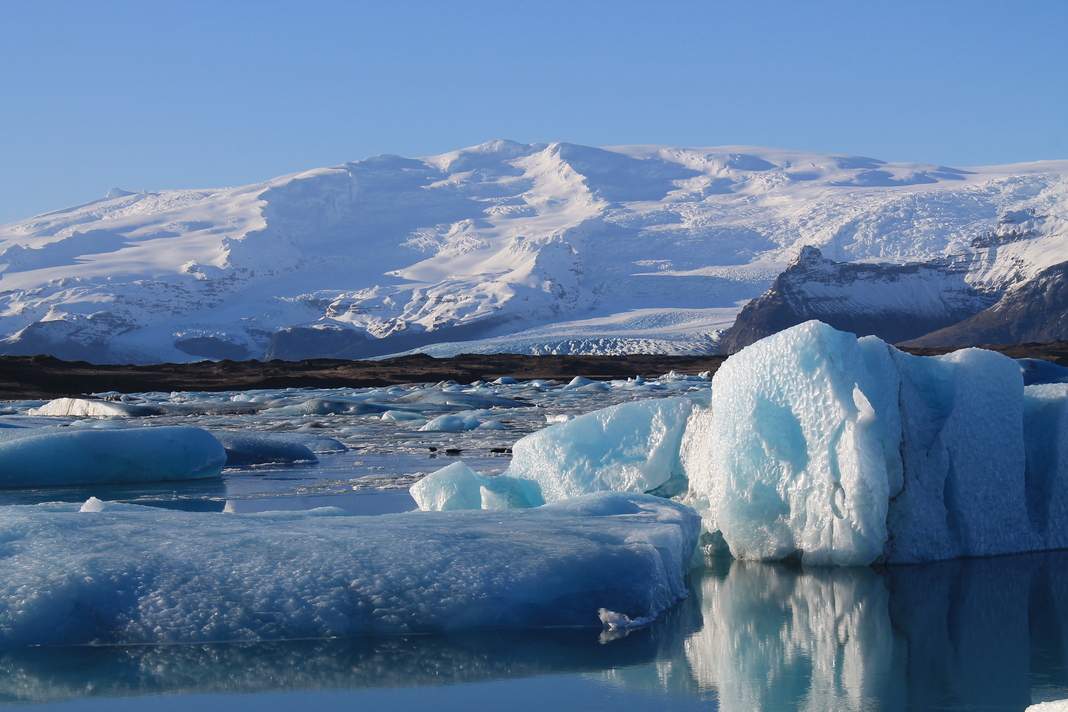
[(46, 456), (115, 573)]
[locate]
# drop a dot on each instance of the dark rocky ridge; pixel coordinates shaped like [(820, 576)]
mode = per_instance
[(1036, 310), (814, 287), (41, 377), (33, 377)]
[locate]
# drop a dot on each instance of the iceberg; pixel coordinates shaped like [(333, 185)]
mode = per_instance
[(131, 574), (245, 447), (457, 486), (801, 453), (38, 457), (452, 423), (93, 409), (845, 451), (827, 449)]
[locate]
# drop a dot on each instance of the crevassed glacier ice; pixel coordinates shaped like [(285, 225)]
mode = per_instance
[(130, 574), (33, 457)]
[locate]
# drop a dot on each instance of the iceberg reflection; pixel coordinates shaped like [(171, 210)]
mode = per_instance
[(977, 634), (968, 634)]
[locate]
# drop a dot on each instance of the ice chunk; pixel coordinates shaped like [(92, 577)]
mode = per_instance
[(802, 452), (457, 486), (578, 382), (401, 415), (453, 487), (318, 444), (31, 457), (631, 447), (616, 621), (1036, 370), (246, 447), (132, 574), (323, 406), (435, 396), (452, 423), (92, 505), (1051, 706), (93, 409)]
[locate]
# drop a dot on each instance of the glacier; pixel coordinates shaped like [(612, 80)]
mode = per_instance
[(107, 573), (504, 246), (828, 449)]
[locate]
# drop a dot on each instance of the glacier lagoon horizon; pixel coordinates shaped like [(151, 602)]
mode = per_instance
[(963, 634)]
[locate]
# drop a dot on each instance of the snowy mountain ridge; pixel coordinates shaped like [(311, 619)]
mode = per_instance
[(521, 246)]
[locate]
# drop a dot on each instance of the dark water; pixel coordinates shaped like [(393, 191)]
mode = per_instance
[(964, 635)]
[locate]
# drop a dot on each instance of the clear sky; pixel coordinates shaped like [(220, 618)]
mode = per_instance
[(158, 94)]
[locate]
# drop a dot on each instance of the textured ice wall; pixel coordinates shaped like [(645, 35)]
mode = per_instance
[(801, 454), (1046, 477), (32, 457), (842, 451), (963, 444), (130, 574)]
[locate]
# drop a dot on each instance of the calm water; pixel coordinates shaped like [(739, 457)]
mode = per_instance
[(964, 635)]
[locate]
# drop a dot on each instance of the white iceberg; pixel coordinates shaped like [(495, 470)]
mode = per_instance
[(452, 423), (631, 447), (38, 457), (832, 450), (129, 574), (93, 409), (845, 451)]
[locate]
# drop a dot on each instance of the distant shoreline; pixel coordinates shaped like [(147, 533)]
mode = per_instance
[(44, 377)]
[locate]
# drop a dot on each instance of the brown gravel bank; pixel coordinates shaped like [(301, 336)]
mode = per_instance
[(33, 377)]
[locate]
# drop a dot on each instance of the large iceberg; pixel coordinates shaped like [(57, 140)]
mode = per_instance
[(114, 573), (832, 450), (840, 450), (40, 457)]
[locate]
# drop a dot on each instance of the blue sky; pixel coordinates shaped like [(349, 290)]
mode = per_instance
[(200, 94)]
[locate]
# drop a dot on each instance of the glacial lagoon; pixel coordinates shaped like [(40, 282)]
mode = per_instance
[(959, 635)]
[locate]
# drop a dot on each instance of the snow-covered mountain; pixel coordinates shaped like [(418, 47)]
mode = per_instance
[(505, 246)]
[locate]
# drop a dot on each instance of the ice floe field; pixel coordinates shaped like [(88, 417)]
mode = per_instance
[(897, 524)]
